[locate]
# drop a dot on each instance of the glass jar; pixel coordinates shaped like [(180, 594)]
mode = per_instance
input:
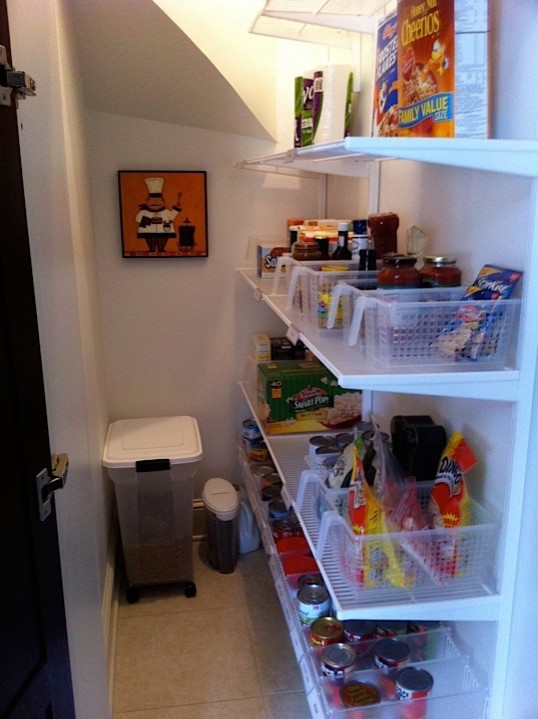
[(383, 230), (398, 271), (306, 250), (440, 271)]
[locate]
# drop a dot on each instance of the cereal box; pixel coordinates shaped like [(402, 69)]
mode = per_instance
[(267, 256), (385, 111), (443, 68), (303, 396)]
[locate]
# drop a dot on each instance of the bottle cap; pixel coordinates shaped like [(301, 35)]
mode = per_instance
[(360, 227), (343, 227)]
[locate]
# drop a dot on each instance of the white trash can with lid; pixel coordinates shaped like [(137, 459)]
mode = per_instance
[(152, 462), (221, 506)]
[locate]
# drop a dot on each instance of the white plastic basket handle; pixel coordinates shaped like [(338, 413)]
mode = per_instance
[(358, 311), (281, 262), (307, 476), (328, 520), (339, 289), (296, 272)]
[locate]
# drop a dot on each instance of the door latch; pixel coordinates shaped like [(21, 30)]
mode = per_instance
[(48, 484), (11, 79)]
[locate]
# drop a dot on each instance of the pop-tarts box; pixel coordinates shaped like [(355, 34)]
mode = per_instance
[(385, 110)]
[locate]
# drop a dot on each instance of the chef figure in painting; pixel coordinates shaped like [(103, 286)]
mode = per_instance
[(155, 221)]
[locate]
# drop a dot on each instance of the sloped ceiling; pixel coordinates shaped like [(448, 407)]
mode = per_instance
[(137, 62)]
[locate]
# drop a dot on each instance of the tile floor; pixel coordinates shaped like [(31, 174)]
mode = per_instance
[(224, 654)]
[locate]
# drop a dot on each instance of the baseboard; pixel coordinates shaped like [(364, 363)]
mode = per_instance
[(111, 593)]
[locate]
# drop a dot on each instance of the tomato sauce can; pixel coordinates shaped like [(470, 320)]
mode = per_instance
[(281, 528), (390, 629), (411, 684), (359, 630), (312, 579), (359, 694), (391, 654), (337, 660), (313, 602), (325, 631)]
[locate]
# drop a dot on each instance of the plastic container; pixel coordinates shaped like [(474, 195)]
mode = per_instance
[(431, 327), (152, 462), (221, 507)]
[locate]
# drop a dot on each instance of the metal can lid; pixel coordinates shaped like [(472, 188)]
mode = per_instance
[(440, 259), (359, 694), (313, 594), (392, 650), (391, 628), (319, 440), (329, 449), (414, 680), (310, 580), (327, 627), (338, 656), (360, 627), (277, 508), (344, 438), (399, 260)]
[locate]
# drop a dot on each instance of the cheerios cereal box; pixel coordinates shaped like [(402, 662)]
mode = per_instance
[(303, 396), (443, 68)]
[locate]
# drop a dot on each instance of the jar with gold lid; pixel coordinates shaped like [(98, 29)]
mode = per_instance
[(398, 271), (440, 271), (306, 250)]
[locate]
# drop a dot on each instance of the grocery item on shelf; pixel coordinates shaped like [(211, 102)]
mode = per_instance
[(398, 271), (493, 283), (303, 397), (417, 444), (385, 106), (267, 255), (384, 232), (440, 271), (261, 347)]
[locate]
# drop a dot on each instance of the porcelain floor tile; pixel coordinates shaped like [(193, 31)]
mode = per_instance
[(235, 709)]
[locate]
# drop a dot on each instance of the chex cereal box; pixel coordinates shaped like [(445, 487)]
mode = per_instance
[(385, 110), (303, 396), (443, 68)]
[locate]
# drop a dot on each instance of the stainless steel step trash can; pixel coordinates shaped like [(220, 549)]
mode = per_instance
[(152, 463), (221, 508)]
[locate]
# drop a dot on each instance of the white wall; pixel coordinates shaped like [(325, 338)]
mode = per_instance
[(175, 330), (60, 228)]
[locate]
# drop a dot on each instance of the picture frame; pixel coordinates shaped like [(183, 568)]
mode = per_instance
[(163, 213)]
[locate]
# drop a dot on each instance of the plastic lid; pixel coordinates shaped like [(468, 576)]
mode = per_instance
[(132, 440), (220, 497)]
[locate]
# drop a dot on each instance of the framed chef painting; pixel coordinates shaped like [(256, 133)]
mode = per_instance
[(163, 214)]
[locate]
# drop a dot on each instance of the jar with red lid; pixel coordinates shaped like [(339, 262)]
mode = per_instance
[(398, 271), (440, 271), (383, 231), (306, 250)]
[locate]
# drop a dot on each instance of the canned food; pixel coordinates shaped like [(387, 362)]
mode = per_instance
[(390, 629), (391, 654), (314, 443), (422, 626), (359, 630), (337, 660), (271, 480), (277, 509), (329, 449), (250, 430), (313, 603), (343, 439), (270, 492), (413, 683), (258, 451), (282, 528), (313, 580), (325, 631), (359, 694), (260, 470)]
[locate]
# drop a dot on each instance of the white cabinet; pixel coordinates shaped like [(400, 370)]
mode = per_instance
[(496, 182)]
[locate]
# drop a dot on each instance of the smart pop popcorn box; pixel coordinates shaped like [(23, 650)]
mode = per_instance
[(443, 68)]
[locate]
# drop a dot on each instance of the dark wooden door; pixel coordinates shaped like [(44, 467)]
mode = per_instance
[(35, 680)]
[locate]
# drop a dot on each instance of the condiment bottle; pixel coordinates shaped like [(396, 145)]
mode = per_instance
[(398, 271), (306, 251), (342, 251), (440, 271), (383, 229), (359, 238), (323, 244)]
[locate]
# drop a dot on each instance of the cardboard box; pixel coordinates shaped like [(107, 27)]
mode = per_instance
[(302, 396), (385, 110), (266, 257), (262, 347), (443, 68)]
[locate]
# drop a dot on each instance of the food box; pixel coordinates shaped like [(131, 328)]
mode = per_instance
[(385, 111), (266, 257), (443, 68), (262, 347), (297, 396)]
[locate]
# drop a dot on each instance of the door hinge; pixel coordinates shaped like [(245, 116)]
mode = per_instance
[(47, 484), (11, 79)]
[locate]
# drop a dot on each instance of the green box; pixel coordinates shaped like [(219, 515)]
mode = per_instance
[(303, 396)]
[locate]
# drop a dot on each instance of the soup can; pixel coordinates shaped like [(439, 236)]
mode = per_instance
[(390, 629), (277, 509), (413, 683), (319, 440), (250, 430), (281, 528), (272, 479), (312, 579), (260, 470), (325, 631), (391, 654), (359, 630), (359, 694), (313, 603), (337, 660)]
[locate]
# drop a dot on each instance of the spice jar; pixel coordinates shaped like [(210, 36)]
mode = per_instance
[(398, 271), (306, 250), (383, 231), (440, 271)]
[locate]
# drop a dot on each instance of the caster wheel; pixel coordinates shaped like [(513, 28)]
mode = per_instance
[(133, 595), (190, 589)]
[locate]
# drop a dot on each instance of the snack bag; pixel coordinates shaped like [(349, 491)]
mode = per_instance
[(493, 283), (450, 505)]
